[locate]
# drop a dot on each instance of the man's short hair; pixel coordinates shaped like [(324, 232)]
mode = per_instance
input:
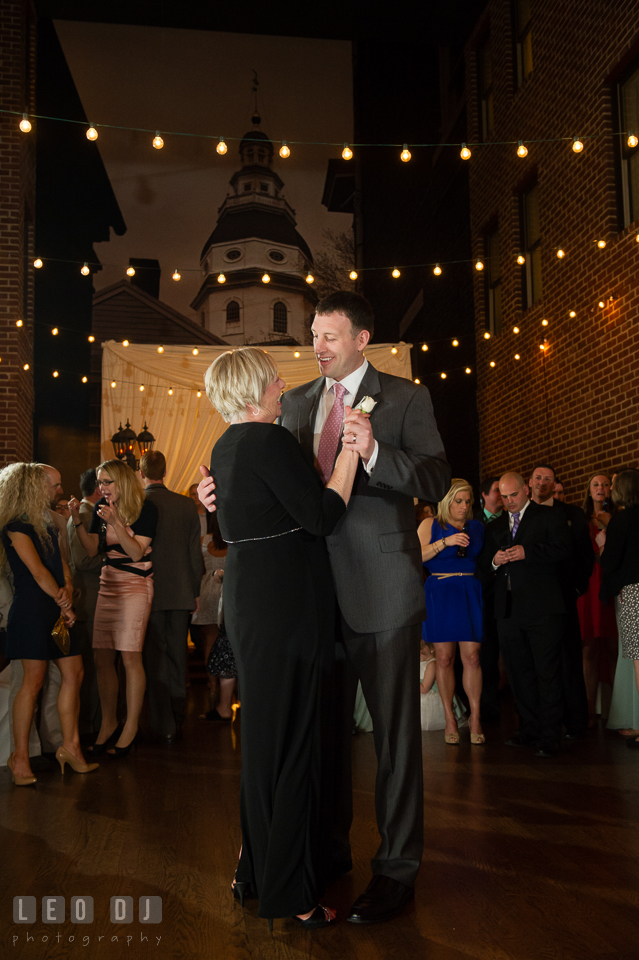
[(543, 466), (356, 308), (88, 482), (153, 465), (487, 484)]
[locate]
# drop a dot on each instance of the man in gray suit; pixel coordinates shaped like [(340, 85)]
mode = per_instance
[(376, 562), (86, 584), (177, 574)]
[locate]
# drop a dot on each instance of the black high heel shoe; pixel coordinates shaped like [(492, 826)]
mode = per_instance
[(123, 751), (97, 749), (241, 890), (320, 917)]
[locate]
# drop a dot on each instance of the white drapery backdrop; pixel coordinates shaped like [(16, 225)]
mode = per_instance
[(186, 426)]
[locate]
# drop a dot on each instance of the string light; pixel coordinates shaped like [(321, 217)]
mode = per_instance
[(601, 304), (405, 155), (125, 343), (19, 323), (487, 336), (141, 388), (221, 278), (544, 323), (92, 133), (25, 366), (55, 331), (347, 153), (479, 265), (37, 263), (541, 346), (130, 271), (517, 357), (158, 142), (353, 274), (492, 363), (176, 275), (522, 150), (637, 238), (170, 391), (468, 370), (521, 259), (455, 343), (601, 244), (297, 354), (310, 278), (396, 273), (221, 147), (393, 349), (437, 270), (113, 383), (577, 145), (55, 373), (424, 347), (285, 151), (160, 349), (91, 339), (266, 278), (85, 271), (417, 380), (561, 253), (199, 393), (515, 329), (464, 153), (25, 125), (443, 375), (632, 140), (572, 314), (85, 379), (195, 351)]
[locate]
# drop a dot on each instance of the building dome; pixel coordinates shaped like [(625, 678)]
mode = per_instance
[(256, 147), (272, 225)]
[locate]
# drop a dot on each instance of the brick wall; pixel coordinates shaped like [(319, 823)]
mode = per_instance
[(17, 192), (575, 404)]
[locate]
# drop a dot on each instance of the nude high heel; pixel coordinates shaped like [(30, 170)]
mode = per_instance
[(20, 781), (63, 756)]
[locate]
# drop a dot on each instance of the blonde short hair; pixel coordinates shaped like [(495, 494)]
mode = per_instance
[(238, 378), (457, 485), (130, 494)]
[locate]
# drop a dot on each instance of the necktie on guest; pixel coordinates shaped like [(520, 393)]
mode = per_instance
[(516, 517), (329, 438)]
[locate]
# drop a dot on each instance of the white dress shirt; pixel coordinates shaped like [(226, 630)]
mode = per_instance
[(351, 384)]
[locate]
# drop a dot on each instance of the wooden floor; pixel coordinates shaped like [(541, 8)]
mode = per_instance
[(525, 859)]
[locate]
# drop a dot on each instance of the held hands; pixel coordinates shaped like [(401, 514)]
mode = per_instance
[(205, 489), (358, 433), (64, 599)]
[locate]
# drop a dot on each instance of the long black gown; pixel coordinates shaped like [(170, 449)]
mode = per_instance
[(280, 613)]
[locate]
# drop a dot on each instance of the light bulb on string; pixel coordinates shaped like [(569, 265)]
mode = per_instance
[(55, 332), (521, 259), (170, 391), (561, 253), (199, 393), (393, 349), (195, 351), (487, 336), (468, 370), (113, 383), (437, 270), (464, 153), (492, 363), (405, 155), (396, 273), (637, 238), (310, 278), (522, 150), (158, 142), (221, 278), (443, 375), (221, 147), (125, 343), (479, 265), (417, 380), (19, 323), (515, 329), (601, 304), (455, 343), (25, 366), (141, 388), (632, 140), (542, 346), (517, 357), (424, 347), (353, 274), (577, 145), (91, 338), (544, 323), (92, 133), (266, 278), (160, 349), (285, 150), (85, 379), (85, 271), (601, 244), (297, 354), (56, 374), (25, 124), (130, 271), (37, 263), (572, 314), (176, 275), (347, 153)]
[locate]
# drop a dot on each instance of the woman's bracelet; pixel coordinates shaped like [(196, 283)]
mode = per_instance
[(76, 525), (444, 544)]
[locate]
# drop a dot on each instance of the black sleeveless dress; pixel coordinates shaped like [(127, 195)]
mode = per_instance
[(279, 607)]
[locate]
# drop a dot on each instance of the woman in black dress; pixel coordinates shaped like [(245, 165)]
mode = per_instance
[(279, 610), (43, 590)]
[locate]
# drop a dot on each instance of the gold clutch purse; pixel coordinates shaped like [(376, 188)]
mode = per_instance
[(60, 634)]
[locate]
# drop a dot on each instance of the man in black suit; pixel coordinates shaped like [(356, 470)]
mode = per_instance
[(489, 509), (523, 551), (575, 574)]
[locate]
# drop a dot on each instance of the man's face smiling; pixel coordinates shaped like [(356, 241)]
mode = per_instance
[(338, 351)]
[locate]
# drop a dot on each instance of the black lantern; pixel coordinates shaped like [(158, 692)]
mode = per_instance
[(145, 440), (119, 444), (124, 442)]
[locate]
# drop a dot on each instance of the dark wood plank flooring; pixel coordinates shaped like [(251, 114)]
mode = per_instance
[(525, 859)]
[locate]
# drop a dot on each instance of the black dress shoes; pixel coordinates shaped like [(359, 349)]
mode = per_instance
[(383, 899)]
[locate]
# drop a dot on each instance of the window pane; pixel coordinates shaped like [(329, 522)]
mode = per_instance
[(233, 312), (280, 314)]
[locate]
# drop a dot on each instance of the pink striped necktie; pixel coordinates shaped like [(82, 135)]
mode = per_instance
[(329, 438)]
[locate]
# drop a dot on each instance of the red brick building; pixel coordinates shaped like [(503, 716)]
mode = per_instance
[(17, 215), (538, 70)]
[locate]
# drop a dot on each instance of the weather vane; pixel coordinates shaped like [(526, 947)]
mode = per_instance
[(255, 119)]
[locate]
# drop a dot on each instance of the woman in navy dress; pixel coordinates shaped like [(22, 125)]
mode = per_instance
[(43, 590), (454, 601)]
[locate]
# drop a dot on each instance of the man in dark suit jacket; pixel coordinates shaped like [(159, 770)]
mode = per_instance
[(377, 569), (177, 574), (489, 509), (575, 574), (523, 551)]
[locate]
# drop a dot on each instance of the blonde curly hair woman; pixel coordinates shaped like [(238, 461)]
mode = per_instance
[(125, 523), (42, 582)]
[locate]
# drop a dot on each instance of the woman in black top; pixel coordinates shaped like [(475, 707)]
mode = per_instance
[(126, 522), (43, 590), (620, 563)]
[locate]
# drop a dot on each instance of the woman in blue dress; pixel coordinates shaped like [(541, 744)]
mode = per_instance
[(454, 601)]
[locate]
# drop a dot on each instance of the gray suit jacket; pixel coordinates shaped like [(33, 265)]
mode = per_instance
[(85, 569), (176, 553), (374, 550)]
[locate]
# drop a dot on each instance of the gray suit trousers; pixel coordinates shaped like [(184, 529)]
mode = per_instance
[(164, 657), (387, 664)]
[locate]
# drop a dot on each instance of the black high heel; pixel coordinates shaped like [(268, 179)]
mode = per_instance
[(97, 749), (241, 890), (320, 917), (123, 751)]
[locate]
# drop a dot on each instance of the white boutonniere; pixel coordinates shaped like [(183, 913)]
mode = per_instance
[(366, 405)]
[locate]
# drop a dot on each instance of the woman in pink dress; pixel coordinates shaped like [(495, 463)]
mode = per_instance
[(123, 526), (596, 619)]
